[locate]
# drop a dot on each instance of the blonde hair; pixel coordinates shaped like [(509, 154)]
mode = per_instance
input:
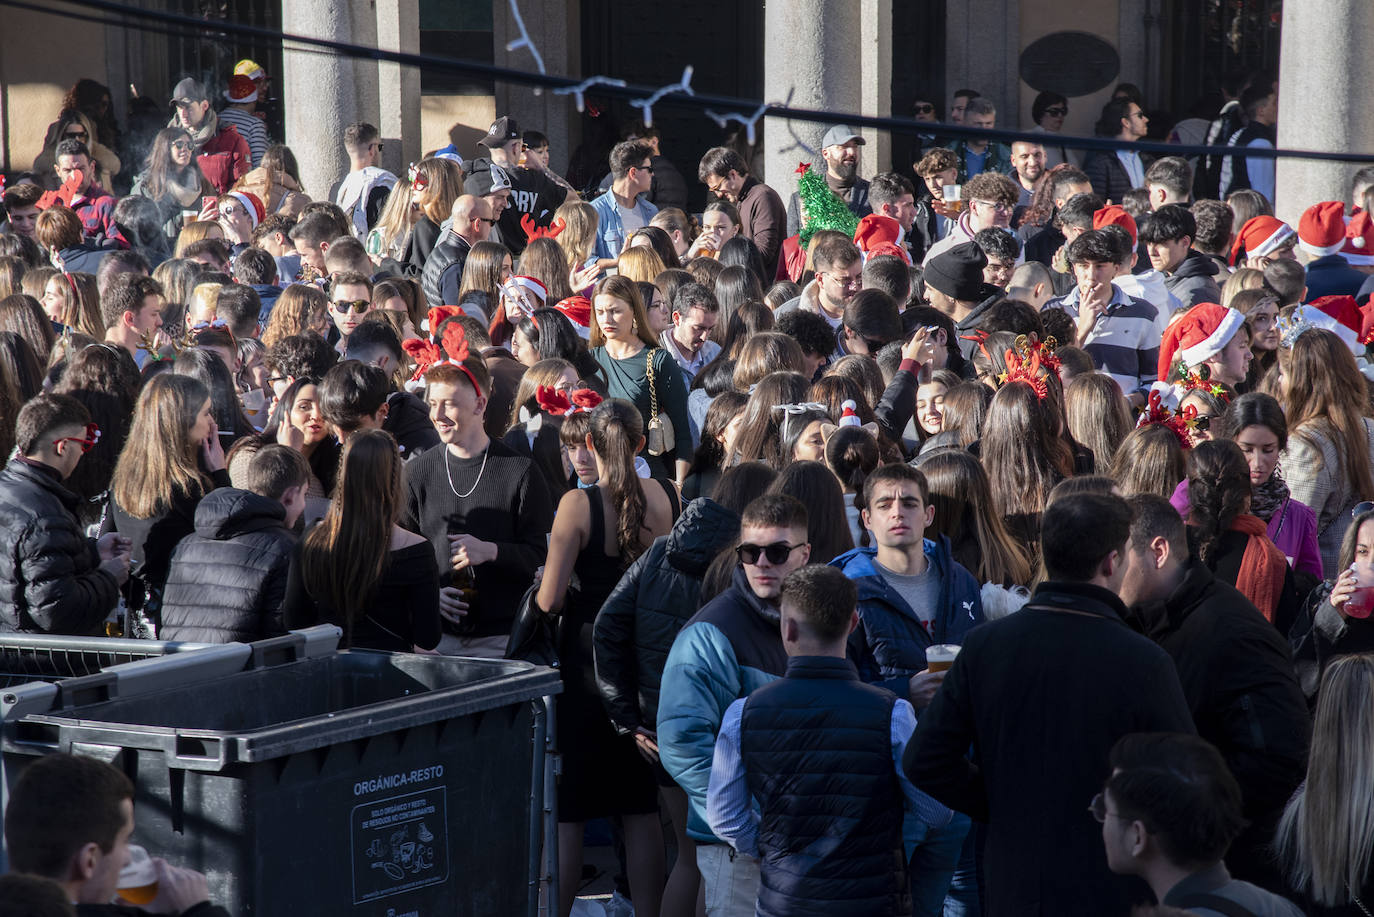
[(578, 238), (293, 311), (159, 457), (193, 231), (393, 226), (205, 296), (445, 184), (35, 282), (1245, 278), (544, 260), (1326, 833), (1098, 416), (640, 264)]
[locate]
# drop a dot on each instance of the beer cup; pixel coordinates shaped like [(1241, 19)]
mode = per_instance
[(138, 879), (953, 196), (940, 656)]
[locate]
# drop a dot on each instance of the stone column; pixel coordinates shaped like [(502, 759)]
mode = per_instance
[(1324, 69), (318, 91), (554, 27), (811, 49), (982, 50), (398, 29), (366, 102), (876, 55)]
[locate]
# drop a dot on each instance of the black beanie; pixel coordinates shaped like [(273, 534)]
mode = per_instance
[(958, 272)]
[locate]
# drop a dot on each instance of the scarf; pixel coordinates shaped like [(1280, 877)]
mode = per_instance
[(201, 135), (1267, 498), (184, 187), (1262, 567)]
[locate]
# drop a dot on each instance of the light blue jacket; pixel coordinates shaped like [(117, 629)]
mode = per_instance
[(610, 236)]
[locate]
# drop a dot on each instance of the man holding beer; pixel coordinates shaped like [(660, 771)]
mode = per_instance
[(70, 819), (915, 605), (1042, 696)]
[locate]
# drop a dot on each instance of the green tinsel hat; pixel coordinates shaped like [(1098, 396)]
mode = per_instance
[(821, 207)]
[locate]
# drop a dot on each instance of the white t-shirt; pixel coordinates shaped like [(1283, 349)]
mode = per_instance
[(630, 220)]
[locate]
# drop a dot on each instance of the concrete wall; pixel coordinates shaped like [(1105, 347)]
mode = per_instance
[(1045, 17), (460, 120), (33, 79)]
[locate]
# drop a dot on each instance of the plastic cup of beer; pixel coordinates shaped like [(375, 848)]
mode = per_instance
[(953, 197), (138, 880), (940, 656)]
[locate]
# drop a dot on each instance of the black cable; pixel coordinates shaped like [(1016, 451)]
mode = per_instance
[(195, 27)]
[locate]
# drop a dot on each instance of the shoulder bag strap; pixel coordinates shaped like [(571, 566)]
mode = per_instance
[(653, 386)]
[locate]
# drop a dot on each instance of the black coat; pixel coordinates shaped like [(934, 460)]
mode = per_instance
[(444, 270), (1041, 696), (653, 600), (407, 419), (50, 581), (1108, 176), (1321, 635), (227, 579), (1237, 675)]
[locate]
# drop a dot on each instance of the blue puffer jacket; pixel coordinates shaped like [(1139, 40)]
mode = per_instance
[(649, 606), (726, 650), (889, 645)]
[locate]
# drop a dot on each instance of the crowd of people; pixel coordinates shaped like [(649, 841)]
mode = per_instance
[(999, 542)]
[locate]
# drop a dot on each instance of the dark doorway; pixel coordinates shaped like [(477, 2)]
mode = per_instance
[(918, 70), (1209, 40), (649, 44)]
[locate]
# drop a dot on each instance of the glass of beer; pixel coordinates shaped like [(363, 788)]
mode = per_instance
[(953, 197), (940, 656), (138, 880)]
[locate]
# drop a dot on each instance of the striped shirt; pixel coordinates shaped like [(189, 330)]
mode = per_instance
[(250, 128), (1124, 343)]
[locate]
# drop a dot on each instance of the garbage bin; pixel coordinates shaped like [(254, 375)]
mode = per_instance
[(27, 658), (358, 782)]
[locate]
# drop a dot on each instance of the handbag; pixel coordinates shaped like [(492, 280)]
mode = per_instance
[(535, 633), (660, 428)]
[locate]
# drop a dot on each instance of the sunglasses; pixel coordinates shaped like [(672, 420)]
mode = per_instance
[(357, 305), (417, 181), (777, 553), (1361, 508), (181, 145), (91, 437), (488, 220), (1202, 423), (80, 135), (1057, 111), (924, 108)]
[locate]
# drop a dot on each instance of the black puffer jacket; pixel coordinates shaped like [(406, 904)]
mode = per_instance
[(653, 600), (227, 580), (50, 581)]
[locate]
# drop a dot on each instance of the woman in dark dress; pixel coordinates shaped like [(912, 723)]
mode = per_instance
[(358, 568), (597, 533)]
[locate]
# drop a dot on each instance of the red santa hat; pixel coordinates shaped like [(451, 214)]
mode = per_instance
[(850, 414), (251, 203), (1259, 236), (1113, 215), (1321, 230), (880, 235), (1201, 333), (1359, 239), (1341, 316), (241, 89), (578, 310)]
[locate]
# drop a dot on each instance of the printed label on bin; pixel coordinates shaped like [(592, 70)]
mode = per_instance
[(399, 844)]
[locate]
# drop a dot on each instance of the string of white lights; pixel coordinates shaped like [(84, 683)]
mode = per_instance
[(647, 105)]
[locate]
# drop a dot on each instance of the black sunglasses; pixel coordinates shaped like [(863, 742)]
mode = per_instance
[(777, 553), (357, 305), (1057, 111), (923, 109)]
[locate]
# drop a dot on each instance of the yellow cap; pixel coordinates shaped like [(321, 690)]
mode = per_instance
[(249, 68)]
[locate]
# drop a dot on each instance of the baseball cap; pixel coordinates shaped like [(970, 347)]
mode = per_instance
[(188, 90), (501, 132), (839, 135), (486, 181)]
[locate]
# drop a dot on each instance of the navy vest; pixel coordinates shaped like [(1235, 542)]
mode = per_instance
[(817, 751)]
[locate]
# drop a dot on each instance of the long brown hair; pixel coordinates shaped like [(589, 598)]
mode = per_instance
[(1098, 416), (344, 556), (160, 166), (543, 260), (297, 305), (1218, 491), (445, 184), (627, 291), (482, 271), (159, 457), (26, 318), (1323, 393), (83, 304), (760, 430), (1022, 450), (962, 497), (615, 432), (1149, 460), (545, 372)]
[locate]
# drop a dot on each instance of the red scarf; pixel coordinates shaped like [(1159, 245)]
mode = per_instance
[(1262, 567)]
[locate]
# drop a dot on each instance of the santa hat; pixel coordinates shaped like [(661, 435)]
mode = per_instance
[(1259, 236), (532, 284), (1341, 316), (1321, 231), (578, 310), (1112, 215), (1201, 333), (880, 235), (1359, 239), (252, 204), (850, 415), (241, 89)]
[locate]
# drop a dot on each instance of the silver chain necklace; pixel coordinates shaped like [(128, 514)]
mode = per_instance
[(449, 474)]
